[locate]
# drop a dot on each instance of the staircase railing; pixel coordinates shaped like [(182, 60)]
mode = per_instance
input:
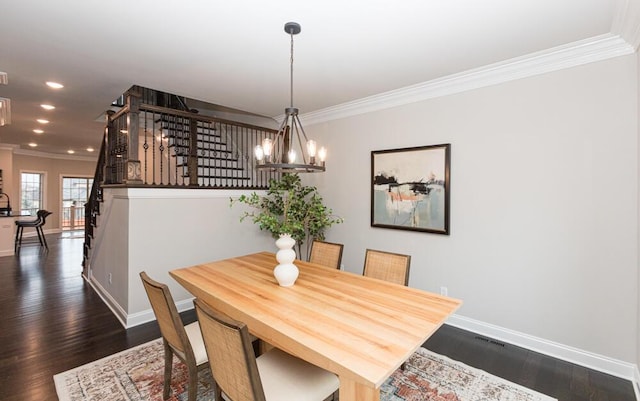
[(165, 144), (153, 145), (92, 207)]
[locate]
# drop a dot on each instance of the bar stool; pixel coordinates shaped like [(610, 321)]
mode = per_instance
[(37, 224)]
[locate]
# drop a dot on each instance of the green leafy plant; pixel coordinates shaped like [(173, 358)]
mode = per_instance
[(291, 208)]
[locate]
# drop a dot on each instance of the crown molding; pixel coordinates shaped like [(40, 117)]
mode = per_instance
[(626, 22), (586, 51), (9, 146), (34, 153)]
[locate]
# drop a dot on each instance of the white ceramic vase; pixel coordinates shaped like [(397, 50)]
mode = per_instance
[(286, 272)]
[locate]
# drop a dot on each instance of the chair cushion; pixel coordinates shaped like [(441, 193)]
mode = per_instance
[(285, 378), (197, 344)]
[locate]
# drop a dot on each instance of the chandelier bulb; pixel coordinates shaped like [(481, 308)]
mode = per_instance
[(322, 154), (267, 147), (259, 152), (311, 147)]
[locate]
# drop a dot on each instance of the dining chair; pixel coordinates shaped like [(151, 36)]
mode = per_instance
[(388, 266), (273, 376), (183, 341), (326, 253)]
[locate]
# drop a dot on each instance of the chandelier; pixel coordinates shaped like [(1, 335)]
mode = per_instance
[(286, 152)]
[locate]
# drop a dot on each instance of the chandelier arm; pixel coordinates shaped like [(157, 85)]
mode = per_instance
[(301, 129), (280, 153), (295, 135), (298, 127)]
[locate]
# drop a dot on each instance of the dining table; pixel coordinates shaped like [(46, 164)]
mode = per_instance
[(360, 328)]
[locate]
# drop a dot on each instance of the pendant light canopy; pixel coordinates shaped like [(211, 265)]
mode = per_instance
[(290, 150)]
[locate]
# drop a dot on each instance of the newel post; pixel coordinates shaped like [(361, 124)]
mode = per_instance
[(133, 167), (108, 168)]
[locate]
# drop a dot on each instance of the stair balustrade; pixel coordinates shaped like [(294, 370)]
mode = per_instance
[(156, 140)]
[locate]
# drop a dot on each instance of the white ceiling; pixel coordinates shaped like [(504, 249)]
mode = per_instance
[(236, 54)]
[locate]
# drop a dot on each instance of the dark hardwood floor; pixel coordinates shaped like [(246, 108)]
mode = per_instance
[(562, 380), (52, 321)]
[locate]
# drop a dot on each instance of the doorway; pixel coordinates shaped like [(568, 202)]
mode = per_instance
[(75, 193)]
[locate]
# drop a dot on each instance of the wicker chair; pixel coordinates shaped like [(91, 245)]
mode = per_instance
[(273, 376), (326, 254), (393, 267), (183, 341)]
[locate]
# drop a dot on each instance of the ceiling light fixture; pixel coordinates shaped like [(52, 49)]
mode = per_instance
[(5, 111), (38, 131), (33, 144), (42, 121), (47, 106), (280, 154), (54, 85), (90, 149), (71, 151)]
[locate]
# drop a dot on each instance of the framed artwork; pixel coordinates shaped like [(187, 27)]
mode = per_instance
[(410, 188)]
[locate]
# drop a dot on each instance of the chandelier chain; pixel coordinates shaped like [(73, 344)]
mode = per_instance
[(291, 73)]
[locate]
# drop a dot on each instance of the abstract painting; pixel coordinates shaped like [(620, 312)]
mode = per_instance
[(410, 188)]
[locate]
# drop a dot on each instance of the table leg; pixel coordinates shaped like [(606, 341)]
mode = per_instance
[(354, 391)]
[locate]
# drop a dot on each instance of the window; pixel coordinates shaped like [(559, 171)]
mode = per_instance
[(75, 193), (31, 193)]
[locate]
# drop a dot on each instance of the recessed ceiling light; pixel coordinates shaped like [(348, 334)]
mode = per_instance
[(71, 151), (42, 121), (54, 85), (33, 144), (38, 131), (90, 149), (47, 106), (5, 111)]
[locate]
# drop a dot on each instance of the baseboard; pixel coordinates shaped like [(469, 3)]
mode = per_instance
[(636, 383), (580, 357), (111, 303), (146, 316), (134, 319)]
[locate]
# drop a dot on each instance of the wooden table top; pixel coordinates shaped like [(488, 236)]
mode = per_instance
[(360, 328)]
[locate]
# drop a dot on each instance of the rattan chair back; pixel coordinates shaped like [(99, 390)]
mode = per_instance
[(184, 342), (171, 327), (233, 363), (326, 254), (388, 266)]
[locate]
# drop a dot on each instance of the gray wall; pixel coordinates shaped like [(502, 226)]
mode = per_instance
[(158, 230), (544, 202)]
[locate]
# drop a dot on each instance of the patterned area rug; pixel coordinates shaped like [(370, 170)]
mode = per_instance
[(136, 374), (428, 376)]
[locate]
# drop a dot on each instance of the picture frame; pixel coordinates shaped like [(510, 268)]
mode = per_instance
[(411, 188)]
